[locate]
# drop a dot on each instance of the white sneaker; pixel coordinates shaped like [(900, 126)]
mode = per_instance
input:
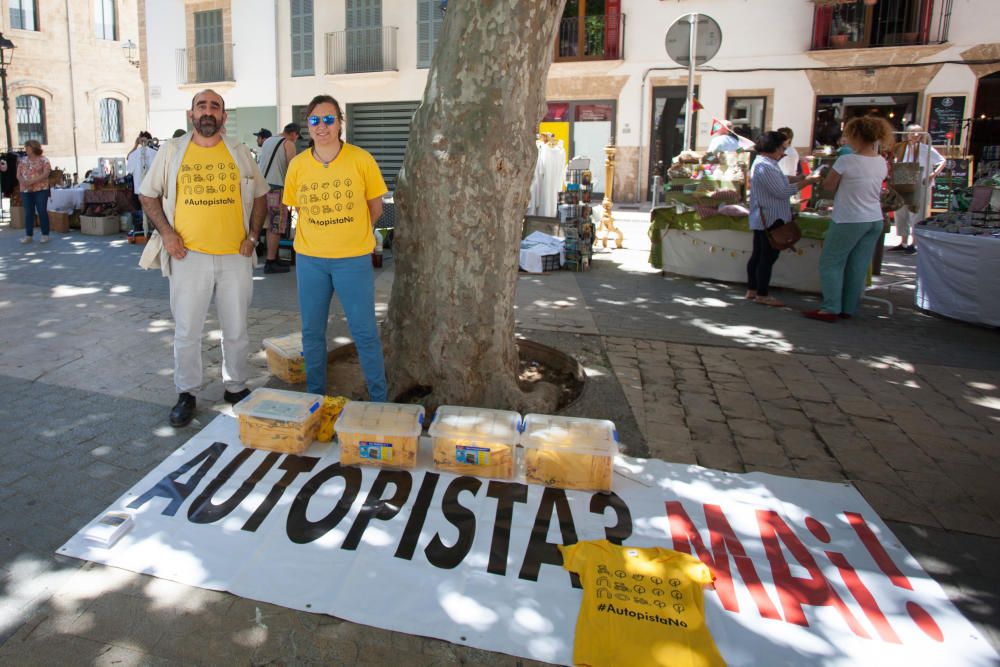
[(25, 240), (44, 239)]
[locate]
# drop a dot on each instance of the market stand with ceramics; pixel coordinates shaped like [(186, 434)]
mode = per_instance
[(702, 230)]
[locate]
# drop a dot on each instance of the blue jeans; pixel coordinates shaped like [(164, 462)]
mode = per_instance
[(354, 281), (843, 264), (36, 201)]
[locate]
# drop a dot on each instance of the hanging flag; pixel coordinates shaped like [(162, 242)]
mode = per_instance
[(745, 143), (696, 105), (718, 127)]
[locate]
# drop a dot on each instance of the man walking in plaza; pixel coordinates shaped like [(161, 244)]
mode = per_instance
[(205, 196), (275, 154)]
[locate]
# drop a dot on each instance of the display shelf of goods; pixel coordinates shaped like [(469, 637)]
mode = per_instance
[(475, 441), (569, 452), (279, 420), (386, 435)]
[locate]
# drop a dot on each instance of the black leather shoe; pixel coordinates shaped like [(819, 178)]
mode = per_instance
[(275, 267), (183, 412), (236, 396)]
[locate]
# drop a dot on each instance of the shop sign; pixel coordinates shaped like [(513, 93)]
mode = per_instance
[(806, 572)]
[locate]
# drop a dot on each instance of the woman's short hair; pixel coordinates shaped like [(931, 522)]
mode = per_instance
[(870, 130), (787, 131), (34, 145), (326, 99), (769, 142)]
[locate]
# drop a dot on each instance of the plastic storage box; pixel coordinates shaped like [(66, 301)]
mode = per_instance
[(569, 452), (278, 420), (380, 434), (284, 358), (475, 441)]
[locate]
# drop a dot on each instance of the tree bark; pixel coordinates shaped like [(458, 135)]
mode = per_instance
[(461, 196)]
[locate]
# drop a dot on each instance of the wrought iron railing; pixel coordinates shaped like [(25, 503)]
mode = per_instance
[(598, 37), (859, 24), (361, 50), (205, 63)]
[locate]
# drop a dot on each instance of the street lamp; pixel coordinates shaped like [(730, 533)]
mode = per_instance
[(6, 56), (129, 48)]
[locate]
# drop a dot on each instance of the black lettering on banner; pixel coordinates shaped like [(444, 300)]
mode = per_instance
[(293, 467), (418, 515), (440, 555), (177, 492), (622, 530), (300, 529), (377, 507), (539, 549), (203, 510), (506, 493)]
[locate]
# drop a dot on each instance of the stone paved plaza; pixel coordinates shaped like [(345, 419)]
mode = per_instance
[(905, 407)]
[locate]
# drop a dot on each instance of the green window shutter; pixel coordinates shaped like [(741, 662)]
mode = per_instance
[(429, 22), (303, 49)]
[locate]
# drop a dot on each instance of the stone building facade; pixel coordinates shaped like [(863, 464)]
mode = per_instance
[(70, 83)]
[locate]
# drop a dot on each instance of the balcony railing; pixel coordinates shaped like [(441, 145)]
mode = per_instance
[(598, 37), (361, 50), (857, 24), (207, 63)]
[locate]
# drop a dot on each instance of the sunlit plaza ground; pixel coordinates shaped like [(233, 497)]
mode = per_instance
[(905, 406)]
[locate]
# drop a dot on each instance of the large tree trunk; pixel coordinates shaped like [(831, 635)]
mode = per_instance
[(462, 194)]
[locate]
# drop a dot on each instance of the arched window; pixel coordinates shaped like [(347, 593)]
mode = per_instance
[(30, 118), (111, 121)]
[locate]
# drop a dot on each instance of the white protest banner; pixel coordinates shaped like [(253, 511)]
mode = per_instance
[(806, 572)]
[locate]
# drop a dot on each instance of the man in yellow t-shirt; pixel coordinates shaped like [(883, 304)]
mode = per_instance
[(640, 607), (205, 196)]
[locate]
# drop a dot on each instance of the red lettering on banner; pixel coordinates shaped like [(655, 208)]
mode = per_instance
[(854, 584), (724, 542), (793, 592), (920, 616)]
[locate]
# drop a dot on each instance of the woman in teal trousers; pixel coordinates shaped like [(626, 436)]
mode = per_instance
[(856, 179)]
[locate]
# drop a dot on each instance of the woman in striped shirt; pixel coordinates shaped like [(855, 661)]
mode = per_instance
[(770, 191)]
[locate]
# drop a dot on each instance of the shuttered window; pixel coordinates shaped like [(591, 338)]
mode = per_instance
[(383, 130), (430, 19), (303, 40), (364, 35), (111, 121), (209, 49), (105, 19)]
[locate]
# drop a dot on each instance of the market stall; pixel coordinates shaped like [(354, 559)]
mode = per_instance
[(703, 231), (959, 260)]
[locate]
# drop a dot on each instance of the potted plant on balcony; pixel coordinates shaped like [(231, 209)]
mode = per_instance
[(840, 36)]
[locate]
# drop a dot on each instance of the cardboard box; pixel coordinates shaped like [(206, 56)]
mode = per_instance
[(59, 222), (17, 217), (102, 226)]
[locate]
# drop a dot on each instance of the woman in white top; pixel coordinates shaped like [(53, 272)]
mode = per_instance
[(850, 241)]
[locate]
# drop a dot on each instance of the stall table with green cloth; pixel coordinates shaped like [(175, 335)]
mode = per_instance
[(718, 248)]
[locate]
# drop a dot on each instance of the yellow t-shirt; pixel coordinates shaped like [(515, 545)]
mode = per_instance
[(640, 607), (209, 214), (334, 221)]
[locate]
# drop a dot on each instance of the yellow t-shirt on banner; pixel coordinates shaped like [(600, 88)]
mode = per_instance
[(640, 607), (209, 213), (334, 221)]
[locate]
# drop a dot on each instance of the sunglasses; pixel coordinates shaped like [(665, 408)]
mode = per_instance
[(327, 120)]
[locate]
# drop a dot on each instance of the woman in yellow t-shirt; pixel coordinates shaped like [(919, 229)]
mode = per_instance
[(337, 189)]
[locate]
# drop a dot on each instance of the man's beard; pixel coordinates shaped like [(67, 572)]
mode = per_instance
[(207, 126)]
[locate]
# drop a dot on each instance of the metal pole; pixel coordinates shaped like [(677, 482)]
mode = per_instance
[(6, 104), (688, 113)]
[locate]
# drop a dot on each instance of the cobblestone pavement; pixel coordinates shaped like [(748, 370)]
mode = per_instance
[(906, 407)]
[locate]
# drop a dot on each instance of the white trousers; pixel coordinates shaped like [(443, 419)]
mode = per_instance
[(906, 220), (193, 281)]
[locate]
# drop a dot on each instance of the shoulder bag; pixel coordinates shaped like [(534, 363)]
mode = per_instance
[(781, 235)]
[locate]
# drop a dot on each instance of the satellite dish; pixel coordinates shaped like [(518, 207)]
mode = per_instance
[(678, 40)]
